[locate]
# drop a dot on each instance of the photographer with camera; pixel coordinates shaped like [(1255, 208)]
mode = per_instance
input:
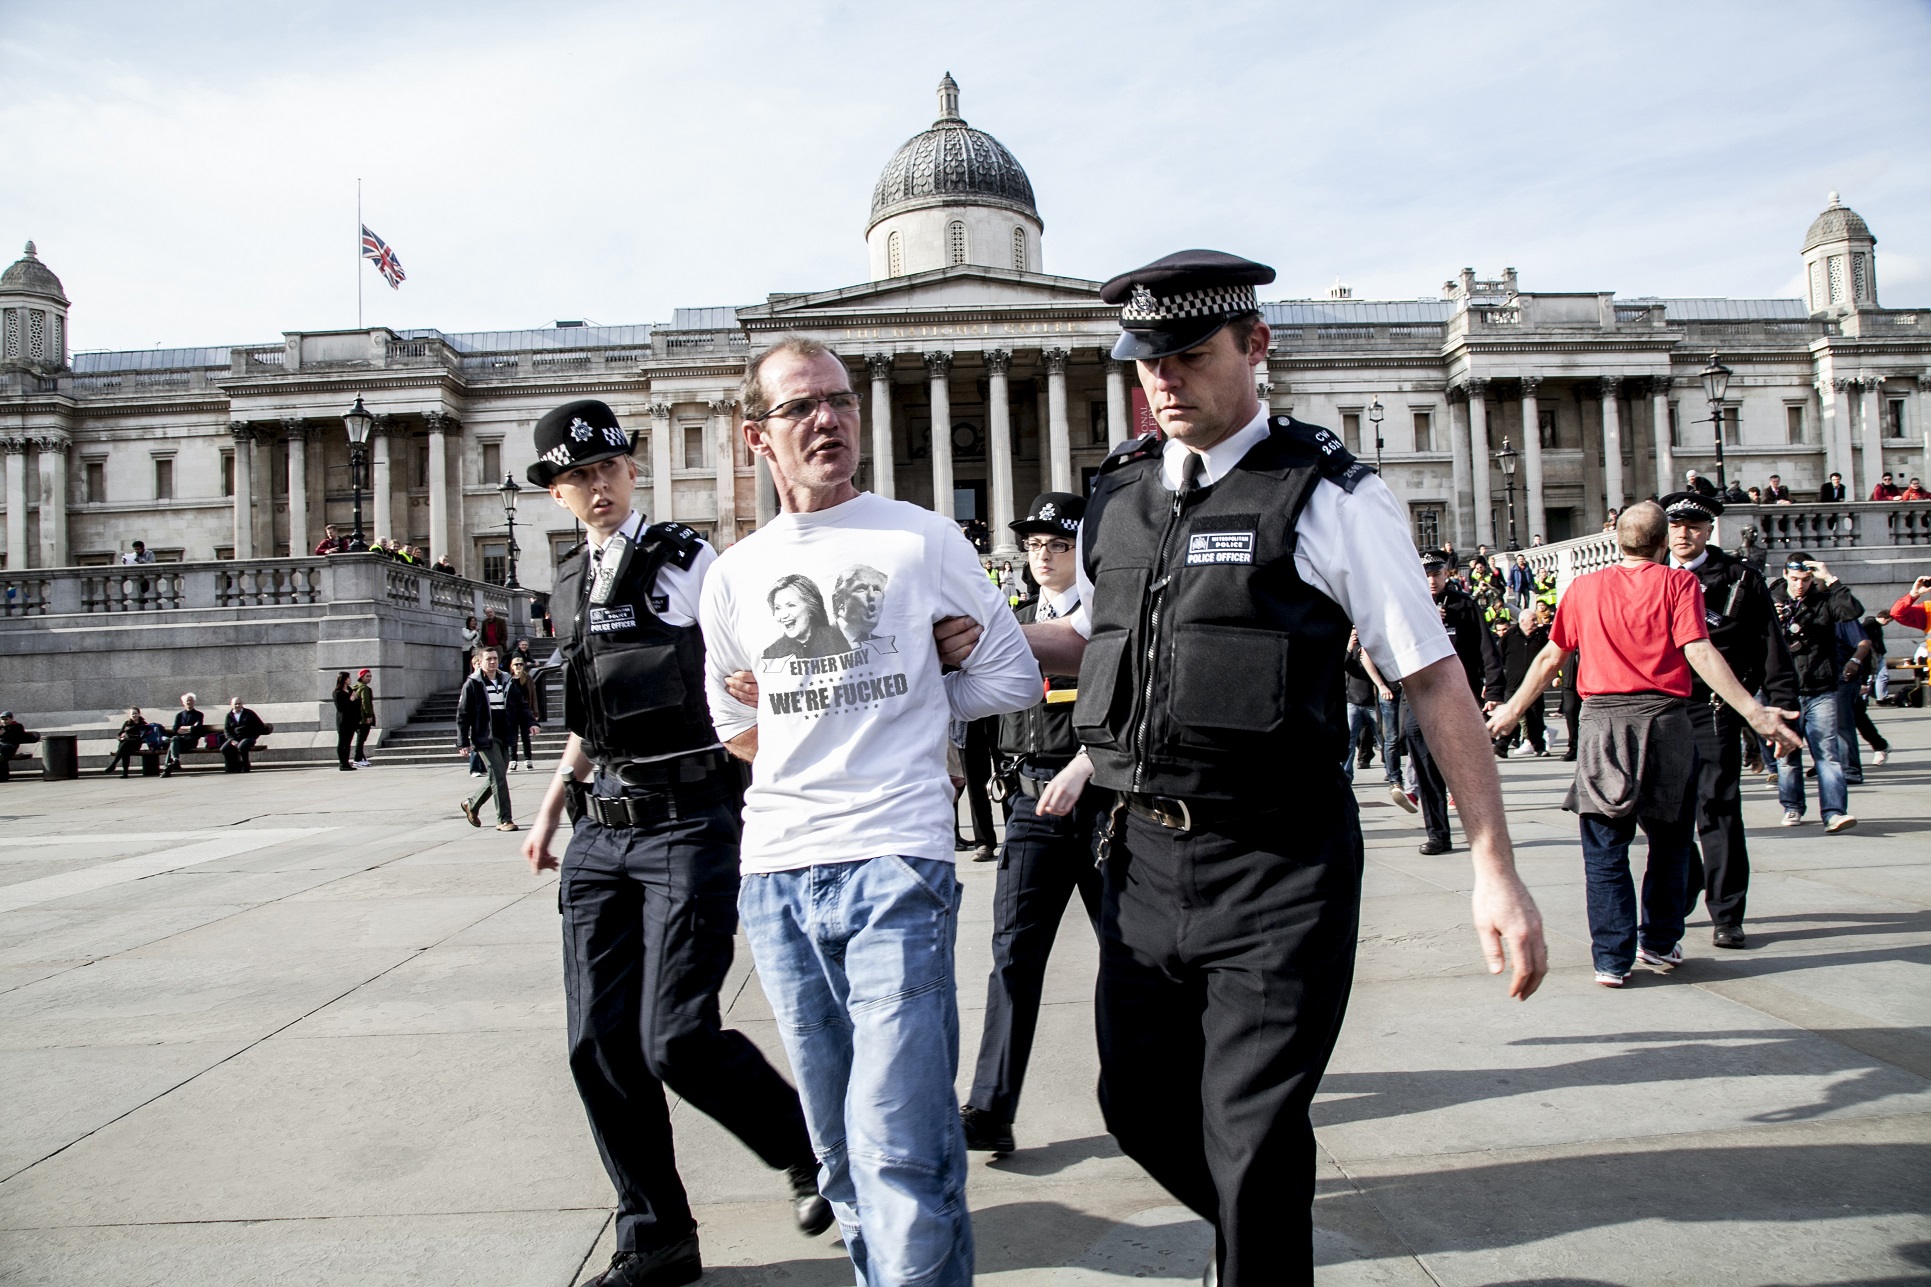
[(1810, 602)]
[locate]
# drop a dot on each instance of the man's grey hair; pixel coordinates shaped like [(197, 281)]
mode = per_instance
[(751, 393), (189, 697)]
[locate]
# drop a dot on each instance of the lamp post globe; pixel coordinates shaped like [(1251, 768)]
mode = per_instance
[(1374, 417), (358, 422), (508, 491), (1716, 383)]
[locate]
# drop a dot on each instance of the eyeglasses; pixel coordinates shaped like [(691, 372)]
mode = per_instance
[(1052, 545), (841, 404)]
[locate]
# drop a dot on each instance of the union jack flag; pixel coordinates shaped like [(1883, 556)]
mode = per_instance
[(386, 263)]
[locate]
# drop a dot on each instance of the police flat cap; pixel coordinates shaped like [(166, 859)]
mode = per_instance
[(1432, 559), (1180, 301), (1690, 507), (1052, 514), (576, 433)]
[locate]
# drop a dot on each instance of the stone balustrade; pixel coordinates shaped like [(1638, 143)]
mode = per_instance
[(247, 583)]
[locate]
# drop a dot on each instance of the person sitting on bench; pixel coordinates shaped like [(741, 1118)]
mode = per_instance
[(240, 730)]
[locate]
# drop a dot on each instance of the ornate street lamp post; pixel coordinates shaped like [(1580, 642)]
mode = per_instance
[(1506, 459), (1716, 382), (508, 492), (1374, 418), (358, 422)]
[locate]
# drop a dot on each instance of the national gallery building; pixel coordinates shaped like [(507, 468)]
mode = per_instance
[(987, 380)]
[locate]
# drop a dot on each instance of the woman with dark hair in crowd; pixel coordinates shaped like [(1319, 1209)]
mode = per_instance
[(470, 637), (133, 735), (520, 676), (348, 718)]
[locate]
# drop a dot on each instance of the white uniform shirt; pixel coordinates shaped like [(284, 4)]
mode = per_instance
[(1351, 546), (681, 589)]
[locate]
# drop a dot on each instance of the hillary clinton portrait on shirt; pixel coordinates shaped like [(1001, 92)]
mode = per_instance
[(799, 608)]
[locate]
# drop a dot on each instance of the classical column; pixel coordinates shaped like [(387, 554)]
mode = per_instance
[(938, 367), (1479, 463), (1118, 418), (880, 366), (381, 480), (1924, 424), (442, 535), (53, 499), (1612, 445), (1870, 416), (1460, 505), (261, 455), (999, 430), (299, 436), (16, 449), (1532, 460), (660, 458), (726, 463), (1059, 434), (767, 492), (244, 436), (1659, 415), (1837, 435)]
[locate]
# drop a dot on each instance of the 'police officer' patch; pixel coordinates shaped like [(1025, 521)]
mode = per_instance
[(621, 616), (1220, 547)]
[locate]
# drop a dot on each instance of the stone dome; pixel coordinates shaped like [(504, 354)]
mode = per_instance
[(29, 276), (951, 164), (1838, 223)]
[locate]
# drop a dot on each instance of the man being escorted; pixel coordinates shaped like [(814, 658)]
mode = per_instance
[(648, 889), (1641, 631), (1743, 628), (849, 896), (1050, 838), (1220, 569), (1474, 645)]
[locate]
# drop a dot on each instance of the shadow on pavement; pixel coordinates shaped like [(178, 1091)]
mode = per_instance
[(1057, 1156)]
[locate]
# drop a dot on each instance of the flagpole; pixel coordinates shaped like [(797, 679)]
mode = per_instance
[(358, 254)]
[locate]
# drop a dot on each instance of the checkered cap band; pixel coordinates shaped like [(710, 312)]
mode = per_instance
[(1144, 307)]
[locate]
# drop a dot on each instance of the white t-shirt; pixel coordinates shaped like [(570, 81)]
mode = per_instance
[(1351, 546), (833, 612)]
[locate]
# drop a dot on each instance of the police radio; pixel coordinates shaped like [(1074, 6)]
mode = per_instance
[(610, 566)]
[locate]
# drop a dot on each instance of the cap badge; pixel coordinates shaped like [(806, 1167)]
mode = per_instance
[(1142, 301), (580, 431), (1049, 510)]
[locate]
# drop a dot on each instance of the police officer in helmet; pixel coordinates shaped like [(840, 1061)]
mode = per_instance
[(1474, 646), (1051, 831), (1222, 563), (649, 882)]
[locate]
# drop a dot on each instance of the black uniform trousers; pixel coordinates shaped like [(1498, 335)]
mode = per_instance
[(976, 756), (649, 916), (1429, 784), (1722, 871), (1042, 862), (1226, 957)]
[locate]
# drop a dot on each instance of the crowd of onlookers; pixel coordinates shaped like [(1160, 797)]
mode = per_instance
[(334, 541), (237, 737)]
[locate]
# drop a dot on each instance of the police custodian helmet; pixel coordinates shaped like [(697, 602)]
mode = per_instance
[(576, 433), (1179, 302)]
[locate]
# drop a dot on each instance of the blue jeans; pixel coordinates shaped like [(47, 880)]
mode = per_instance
[(1390, 741), (1611, 893), (1820, 730), (856, 961), (1359, 718)]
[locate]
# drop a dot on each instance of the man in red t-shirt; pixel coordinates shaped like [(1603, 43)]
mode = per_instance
[(1639, 628)]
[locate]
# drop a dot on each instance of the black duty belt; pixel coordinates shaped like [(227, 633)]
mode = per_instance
[(1176, 814), (650, 808), (664, 771)]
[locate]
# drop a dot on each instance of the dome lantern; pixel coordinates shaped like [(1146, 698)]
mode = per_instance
[(1840, 261), (33, 315)]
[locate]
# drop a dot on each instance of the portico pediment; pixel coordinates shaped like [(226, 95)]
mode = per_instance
[(961, 288)]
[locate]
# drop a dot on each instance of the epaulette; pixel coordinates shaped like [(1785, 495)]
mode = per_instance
[(1332, 457), (684, 542), (572, 552), (1141, 448)]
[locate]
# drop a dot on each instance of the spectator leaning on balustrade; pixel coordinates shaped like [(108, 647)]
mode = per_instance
[(1641, 631), (1832, 490)]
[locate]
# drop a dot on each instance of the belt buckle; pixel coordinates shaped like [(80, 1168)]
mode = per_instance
[(1170, 812)]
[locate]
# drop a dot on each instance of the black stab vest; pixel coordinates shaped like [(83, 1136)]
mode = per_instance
[(1213, 670), (1042, 732), (635, 686)]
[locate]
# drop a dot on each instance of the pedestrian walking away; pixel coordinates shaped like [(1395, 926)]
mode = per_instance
[(849, 899), (648, 882), (1051, 834), (1210, 555), (1642, 632), (1810, 603), (489, 714), (1743, 629)]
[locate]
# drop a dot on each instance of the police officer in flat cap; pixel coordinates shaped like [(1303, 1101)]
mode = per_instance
[(1051, 831), (649, 882), (1221, 564), (1742, 619), (1474, 644)]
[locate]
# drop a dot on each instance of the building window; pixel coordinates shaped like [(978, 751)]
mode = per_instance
[(1793, 418), (1894, 418), (693, 446), (496, 561), (1019, 249), (955, 242), (421, 463), (561, 546), (1836, 279), (94, 481), (1096, 423), (1860, 292), (60, 339), (1428, 525), (164, 478), (492, 462), (37, 333), (227, 473), (1351, 431), (1676, 427), (1424, 431), (1545, 426), (895, 255), (1733, 426), (12, 321)]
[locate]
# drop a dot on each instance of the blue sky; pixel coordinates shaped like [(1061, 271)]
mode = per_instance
[(189, 170)]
